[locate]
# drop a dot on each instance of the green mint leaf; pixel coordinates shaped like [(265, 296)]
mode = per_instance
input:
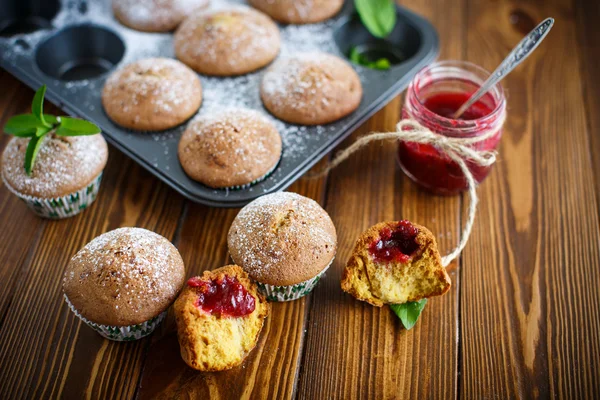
[(76, 127), (23, 125), (355, 56), (382, 64), (51, 119), (378, 16), (37, 106), (32, 151), (409, 312)]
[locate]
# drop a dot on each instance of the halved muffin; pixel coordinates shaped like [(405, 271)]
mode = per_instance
[(395, 262), (219, 318)]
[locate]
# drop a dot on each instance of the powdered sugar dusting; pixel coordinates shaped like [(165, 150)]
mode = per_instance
[(282, 233), (138, 270), (63, 164), (167, 84), (161, 15)]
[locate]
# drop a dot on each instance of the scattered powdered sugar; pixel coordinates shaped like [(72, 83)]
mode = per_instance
[(218, 93), (132, 263), (166, 83), (145, 13), (63, 164), (280, 229)]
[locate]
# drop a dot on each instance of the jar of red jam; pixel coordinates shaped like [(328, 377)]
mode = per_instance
[(435, 93)]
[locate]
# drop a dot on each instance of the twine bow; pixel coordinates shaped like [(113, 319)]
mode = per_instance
[(457, 149)]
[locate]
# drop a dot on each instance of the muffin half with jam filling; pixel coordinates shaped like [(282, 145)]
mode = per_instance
[(219, 318), (393, 263)]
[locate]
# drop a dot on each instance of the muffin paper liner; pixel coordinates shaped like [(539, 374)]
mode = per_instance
[(254, 182), (61, 207), (121, 333), (291, 292)]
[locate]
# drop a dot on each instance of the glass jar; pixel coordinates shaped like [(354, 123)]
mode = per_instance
[(435, 93)]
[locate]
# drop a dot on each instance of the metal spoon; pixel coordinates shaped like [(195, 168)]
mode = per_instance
[(519, 53)]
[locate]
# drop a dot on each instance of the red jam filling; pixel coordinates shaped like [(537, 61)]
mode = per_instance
[(397, 245), (226, 296), (434, 171)]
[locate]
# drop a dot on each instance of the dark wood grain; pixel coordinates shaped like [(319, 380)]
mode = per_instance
[(270, 370), (529, 304), (522, 319), (368, 354), (49, 351)]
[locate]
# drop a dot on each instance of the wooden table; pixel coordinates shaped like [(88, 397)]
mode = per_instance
[(522, 319)]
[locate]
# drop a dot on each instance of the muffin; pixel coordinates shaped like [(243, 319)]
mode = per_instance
[(285, 242), (219, 317), (393, 263), (66, 175), (153, 94), (227, 41), (232, 149), (311, 89), (154, 15), (122, 282), (298, 11)]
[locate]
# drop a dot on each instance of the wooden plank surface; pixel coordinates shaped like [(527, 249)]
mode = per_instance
[(522, 319)]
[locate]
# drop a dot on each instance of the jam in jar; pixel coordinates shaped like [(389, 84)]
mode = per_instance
[(433, 96)]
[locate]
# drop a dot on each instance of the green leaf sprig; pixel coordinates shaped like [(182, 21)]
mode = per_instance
[(37, 124), (409, 312), (378, 16), (359, 58)]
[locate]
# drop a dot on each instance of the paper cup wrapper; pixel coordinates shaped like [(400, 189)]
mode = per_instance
[(122, 333), (291, 292), (254, 182), (62, 207)]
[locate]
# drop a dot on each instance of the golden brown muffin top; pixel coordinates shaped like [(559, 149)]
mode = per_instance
[(298, 11), (124, 277), (230, 148), (152, 94), (64, 164), (311, 88), (282, 239), (227, 40), (154, 15)]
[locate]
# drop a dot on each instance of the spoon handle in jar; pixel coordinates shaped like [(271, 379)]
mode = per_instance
[(516, 56)]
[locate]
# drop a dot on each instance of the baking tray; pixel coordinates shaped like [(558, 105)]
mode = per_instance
[(72, 46)]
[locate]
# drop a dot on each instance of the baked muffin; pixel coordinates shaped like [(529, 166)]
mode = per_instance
[(395, 262), (230, 149), (311, 89), (219, 318), (285, 242), (298, 11), (226, 41), (66, 175), (122, 282), (153, 94), (155, 15)]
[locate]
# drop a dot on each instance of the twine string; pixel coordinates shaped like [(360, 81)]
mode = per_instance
[(457, 149)]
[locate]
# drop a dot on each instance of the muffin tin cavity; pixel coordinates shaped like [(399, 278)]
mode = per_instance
[(26, 16), (86, 41), (79, 52), (401, 45)]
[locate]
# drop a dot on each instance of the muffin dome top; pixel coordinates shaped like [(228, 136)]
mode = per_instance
[(230, 148), (64, 164), (152, 94), (298, 11), (282, 239), (311, 88), (227, 40), (124, 277), (154, 15)]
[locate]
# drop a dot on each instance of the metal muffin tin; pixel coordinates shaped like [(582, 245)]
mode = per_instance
[(73, 45)]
